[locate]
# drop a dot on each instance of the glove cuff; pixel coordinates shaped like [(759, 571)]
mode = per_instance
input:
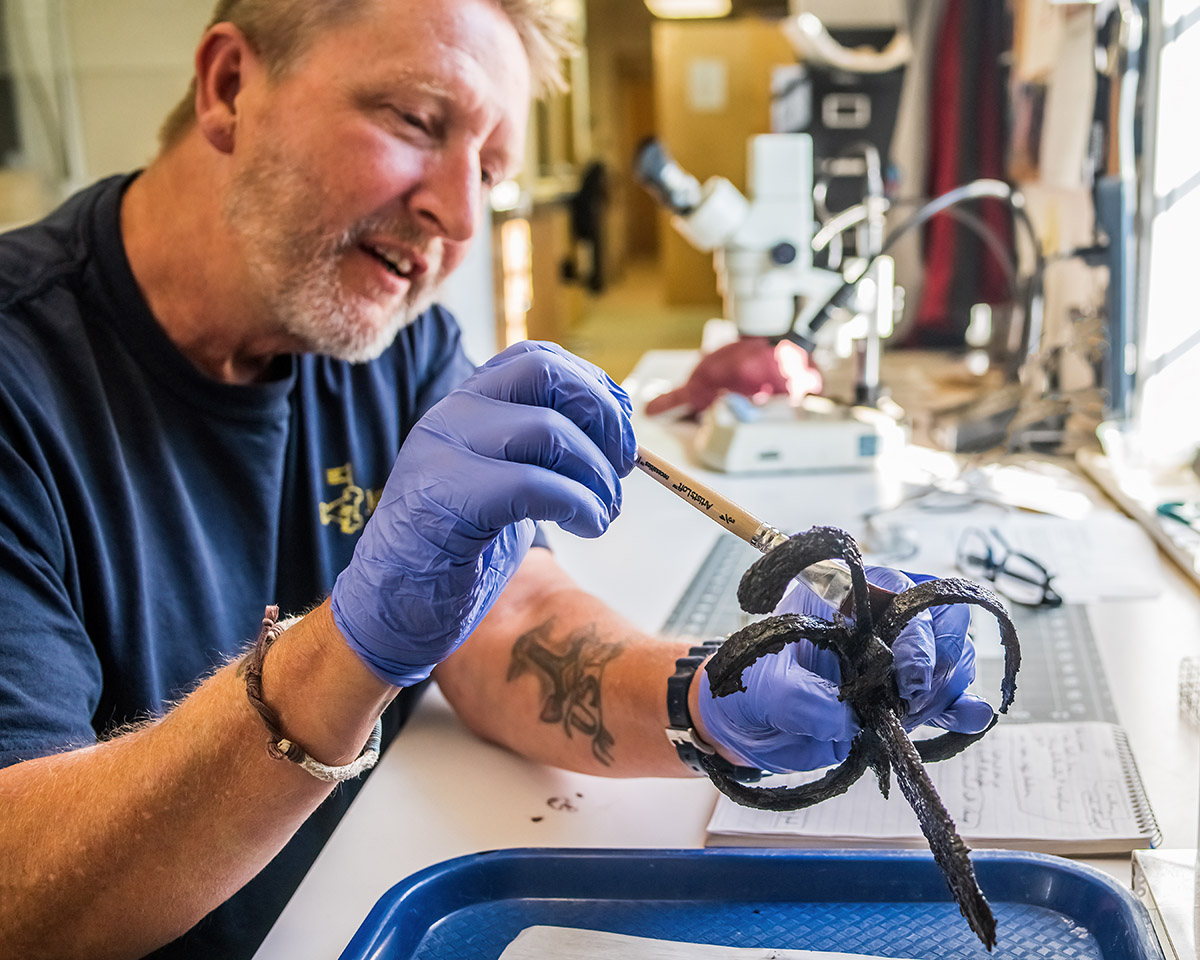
[(390, 671), (680, 729)]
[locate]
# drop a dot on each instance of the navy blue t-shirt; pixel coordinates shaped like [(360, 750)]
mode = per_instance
[(148, 513)]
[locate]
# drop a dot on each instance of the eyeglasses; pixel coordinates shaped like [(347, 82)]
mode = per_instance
[(1016, 575)]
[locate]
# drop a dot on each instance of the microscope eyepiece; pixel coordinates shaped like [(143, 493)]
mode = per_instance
[(664, 179)]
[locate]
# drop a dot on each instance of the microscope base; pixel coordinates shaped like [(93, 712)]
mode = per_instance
[(737, 436)]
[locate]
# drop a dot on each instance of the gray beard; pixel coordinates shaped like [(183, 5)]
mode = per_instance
[(297, 273), (313, 309)]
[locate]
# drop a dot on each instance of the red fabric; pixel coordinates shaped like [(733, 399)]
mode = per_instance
[(749, 366), (993, 145), (967, 141), (943, 166)]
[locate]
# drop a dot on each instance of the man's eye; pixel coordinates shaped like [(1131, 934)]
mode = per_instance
[(413, 120)]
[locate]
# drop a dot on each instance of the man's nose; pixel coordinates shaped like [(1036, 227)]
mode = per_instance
[(450, 194)]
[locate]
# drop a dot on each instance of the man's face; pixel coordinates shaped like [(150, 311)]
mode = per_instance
[(360, 176)]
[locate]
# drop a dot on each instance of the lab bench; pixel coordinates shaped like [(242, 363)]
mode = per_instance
[(440, 792)]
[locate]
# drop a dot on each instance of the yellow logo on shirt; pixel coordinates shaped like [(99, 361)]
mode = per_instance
[(351, 509)]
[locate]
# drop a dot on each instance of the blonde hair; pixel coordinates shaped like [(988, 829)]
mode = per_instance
[(281, 30)]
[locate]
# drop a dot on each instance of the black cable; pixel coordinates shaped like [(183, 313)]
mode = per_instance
[(976, 190), (990, 239)]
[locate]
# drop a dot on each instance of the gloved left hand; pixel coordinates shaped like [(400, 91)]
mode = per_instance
[(789, 717), (934, 658)]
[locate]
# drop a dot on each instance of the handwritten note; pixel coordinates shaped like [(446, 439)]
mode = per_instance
[(1055, 787)]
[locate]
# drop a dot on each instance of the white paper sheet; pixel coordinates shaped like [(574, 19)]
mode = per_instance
[(1054, 787), (1105, 556), (568, 943)]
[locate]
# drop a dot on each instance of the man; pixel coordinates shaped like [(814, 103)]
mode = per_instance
[(185, 440)]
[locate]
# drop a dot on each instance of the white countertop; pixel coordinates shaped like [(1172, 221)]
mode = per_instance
[(439, 792)]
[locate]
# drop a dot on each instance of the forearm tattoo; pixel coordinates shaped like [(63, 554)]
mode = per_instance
[(570, 671)]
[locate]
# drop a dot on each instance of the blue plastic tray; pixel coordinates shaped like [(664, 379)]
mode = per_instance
[(886, 903)]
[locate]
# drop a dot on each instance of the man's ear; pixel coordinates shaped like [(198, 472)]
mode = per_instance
[(224, 62)]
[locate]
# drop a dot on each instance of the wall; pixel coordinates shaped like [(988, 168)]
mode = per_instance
[(94, 79), (852, 13), (620, 76), (132, 62), (469, 295), (712, 82)]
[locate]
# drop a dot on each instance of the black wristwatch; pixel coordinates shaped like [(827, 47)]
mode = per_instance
[(680, 730)]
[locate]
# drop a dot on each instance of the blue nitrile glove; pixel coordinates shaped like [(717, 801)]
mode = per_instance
[(789, 718), (535, 434), (938, 696), (934, 657)]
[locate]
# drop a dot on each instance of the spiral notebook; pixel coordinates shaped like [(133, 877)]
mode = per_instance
[(1063, 788)]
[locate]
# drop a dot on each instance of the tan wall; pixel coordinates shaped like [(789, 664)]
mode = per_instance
[(709, 139), (133, 61), (94, 79), (622, 112)]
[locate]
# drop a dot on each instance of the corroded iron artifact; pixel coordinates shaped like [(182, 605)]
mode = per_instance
[(863, 648)]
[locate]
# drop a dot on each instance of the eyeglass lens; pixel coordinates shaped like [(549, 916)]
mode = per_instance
[(975, 554), (1022, 579), (1019, 577)]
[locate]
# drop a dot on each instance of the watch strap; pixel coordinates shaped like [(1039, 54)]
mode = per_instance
[(680, 729)]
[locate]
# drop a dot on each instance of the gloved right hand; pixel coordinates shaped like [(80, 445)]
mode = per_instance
[(535, 434)]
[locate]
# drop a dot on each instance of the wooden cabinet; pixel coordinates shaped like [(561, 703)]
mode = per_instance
[(529, 253)]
